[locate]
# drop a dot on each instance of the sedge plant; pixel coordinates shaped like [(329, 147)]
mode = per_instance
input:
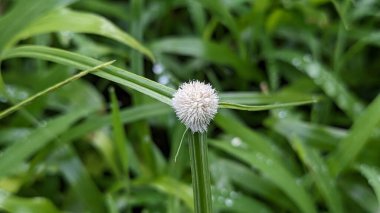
[(195, 104), (316, 159)]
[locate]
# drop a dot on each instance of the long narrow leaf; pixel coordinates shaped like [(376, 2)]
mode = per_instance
[(77, 176), (13, 155), (139, 83), (319, 171), (259, 98), (216, 53), (80, 22), (22, 14), (50, 89), (175, 188), (11, 203), (271, 170), (119, 134), (357, 137), (330, 84), (263, 107), (319, 136), (136, 82), (373, 176)]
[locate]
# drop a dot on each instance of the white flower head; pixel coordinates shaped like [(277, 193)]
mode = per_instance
[(195, 104)]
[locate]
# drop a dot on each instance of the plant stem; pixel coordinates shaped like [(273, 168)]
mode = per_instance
[(200, 173)]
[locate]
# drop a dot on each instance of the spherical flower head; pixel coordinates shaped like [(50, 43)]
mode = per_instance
[(195, 104)]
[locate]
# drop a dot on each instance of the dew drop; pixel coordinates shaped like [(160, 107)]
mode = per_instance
[(158, 68), (23, 95), (163, 79), (236, 142), (229, 202), (296, 62), (314, 70), (282, 114), (307, 58), (3, 99)]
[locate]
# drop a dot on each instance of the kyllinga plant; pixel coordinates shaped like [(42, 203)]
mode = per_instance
[(176, 71), (196, 104)]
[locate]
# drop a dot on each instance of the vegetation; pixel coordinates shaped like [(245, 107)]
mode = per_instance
[(86, 123)]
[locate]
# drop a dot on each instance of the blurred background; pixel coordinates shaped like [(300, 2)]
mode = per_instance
[(96, 145)]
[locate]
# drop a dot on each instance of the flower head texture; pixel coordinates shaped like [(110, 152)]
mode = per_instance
[(195, 104)]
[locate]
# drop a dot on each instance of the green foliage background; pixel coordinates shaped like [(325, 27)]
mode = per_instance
[(106, 142)]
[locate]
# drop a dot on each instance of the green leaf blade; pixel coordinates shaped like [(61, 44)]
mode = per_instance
[(139, 83), (357, 137), (80, 22), (272, 170)]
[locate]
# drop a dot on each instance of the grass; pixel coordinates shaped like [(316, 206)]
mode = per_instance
[(298, 122)]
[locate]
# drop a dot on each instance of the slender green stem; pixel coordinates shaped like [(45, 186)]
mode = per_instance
[(200, 173)]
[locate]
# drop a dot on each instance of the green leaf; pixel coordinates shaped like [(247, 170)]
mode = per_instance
[(19, 151), (318, 136), (214, 52), (198, 15), (175, 188), (139, 83), (80, 22), (370, 38), (22, 15), (127, 116), (237, 202), (50, 89), (8, 135), (80, 181), (237, 128), (357, 137), (111, 204), (330, 84), (219, 9), (360, 194), (320, 173), (270, 169), (105, 146), (373, 176), (11, 203), (136, 82), (342, 9), (119, 134), (263, 107), (258, 98), (242, 176)]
